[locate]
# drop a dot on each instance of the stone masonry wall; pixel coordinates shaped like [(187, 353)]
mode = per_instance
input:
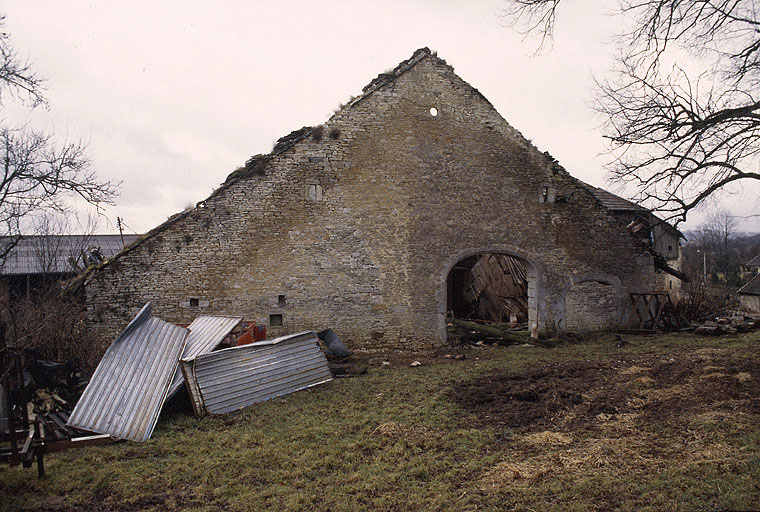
[(357, 229), (591, 305)]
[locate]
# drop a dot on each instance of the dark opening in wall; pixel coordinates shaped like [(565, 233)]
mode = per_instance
[(488, 288), (275, 320), (194, 302), (281, 300)]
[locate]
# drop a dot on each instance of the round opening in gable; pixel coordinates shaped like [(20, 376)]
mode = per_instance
[(433, 111)]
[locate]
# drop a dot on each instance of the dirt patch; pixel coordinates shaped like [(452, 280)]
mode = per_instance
[(536, 399), (630, 417), (589, 394)]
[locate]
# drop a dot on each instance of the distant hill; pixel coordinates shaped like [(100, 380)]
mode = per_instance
[(749, 239), (744, 240), (749, 245)]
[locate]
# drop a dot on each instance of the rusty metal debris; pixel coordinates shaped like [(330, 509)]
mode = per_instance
[(129, 386), (206, 333), (142, 368), (233, 378)]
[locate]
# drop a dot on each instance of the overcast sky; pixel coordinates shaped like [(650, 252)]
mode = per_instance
[(172, 96)]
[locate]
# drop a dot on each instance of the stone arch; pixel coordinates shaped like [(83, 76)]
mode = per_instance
[(591, 301), (536, 293)]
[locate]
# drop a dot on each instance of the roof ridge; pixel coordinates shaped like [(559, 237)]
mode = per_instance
[(257, 163), (400, 69)]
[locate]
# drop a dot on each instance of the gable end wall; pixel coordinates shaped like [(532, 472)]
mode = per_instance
[(403, 195)]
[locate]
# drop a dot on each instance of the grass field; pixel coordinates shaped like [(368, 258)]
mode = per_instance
[(663, 423)]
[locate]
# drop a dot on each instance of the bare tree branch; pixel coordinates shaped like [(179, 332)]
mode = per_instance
[(16, 76), (678, 138), (532, 16), (36, 175)]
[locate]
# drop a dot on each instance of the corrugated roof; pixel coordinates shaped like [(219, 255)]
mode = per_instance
[(206, 333), (230, 379), (752, 287), (129, 386), (50, 254)]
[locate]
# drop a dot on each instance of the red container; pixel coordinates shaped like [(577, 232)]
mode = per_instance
[(252, 334)]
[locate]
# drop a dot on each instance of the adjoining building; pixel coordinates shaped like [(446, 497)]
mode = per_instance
[(661, 237), (357, 224), (753, 265), (38, 260), (749, 295)]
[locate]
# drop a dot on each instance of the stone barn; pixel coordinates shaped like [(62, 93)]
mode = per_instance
[(358, 223)]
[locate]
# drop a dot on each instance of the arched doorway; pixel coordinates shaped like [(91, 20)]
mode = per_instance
[(491, 286)]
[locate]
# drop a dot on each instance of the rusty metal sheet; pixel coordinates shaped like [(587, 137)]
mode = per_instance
[(129, 386), (233, 378), (206, 333)]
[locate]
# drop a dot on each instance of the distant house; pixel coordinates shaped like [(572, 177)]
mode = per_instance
[(753, 265), (749, 294), (41, 259)]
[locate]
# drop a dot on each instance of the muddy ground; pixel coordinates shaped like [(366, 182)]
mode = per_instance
[(584, 395)]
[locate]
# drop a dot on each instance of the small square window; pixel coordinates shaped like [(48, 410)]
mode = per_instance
[(314, 192), (281, 300), (275, 320), (194, 302)]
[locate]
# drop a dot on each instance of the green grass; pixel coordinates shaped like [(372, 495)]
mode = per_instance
[(398, 439)]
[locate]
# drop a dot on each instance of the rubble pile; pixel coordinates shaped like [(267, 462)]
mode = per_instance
[(729, 325), (57, 387)]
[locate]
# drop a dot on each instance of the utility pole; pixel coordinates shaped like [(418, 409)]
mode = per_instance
[(121, 230), (704, 265)]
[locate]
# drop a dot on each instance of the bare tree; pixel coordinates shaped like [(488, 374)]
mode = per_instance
[(677, 136), (724, 224), (37, 175), (16, 75), (716, 239), (37, 314), (54, 250)]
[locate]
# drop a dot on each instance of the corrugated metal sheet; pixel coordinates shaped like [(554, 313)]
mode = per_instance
[(129, 386), (206, 333), (231, 379), (49, 254)]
